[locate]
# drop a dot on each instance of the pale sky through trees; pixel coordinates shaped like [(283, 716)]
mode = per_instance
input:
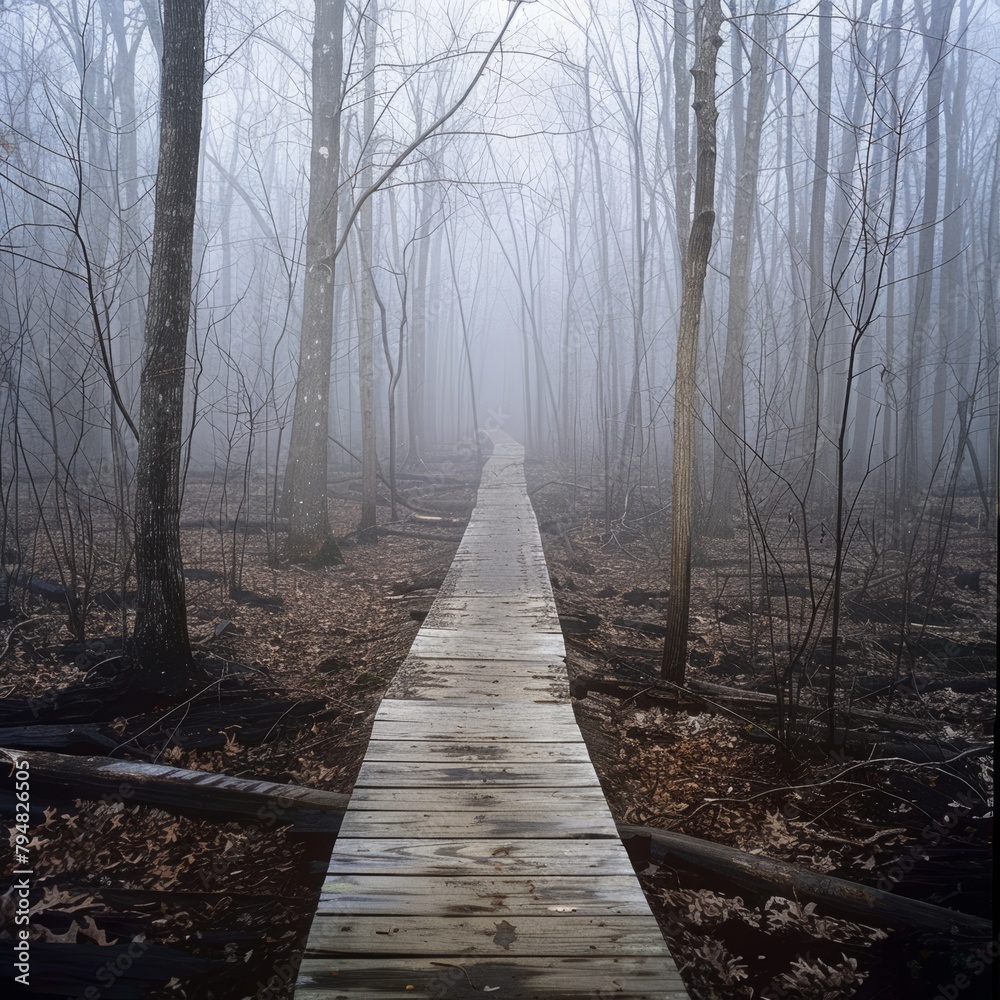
[(554, 187)]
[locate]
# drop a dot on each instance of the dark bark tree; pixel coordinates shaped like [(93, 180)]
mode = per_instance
[(159, 651), (695, 264)]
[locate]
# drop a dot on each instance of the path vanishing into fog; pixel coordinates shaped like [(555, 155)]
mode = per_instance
[(478, 855)]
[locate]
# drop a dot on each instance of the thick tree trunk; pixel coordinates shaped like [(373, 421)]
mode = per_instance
[(309, 536), (159, 651), (695, 265)]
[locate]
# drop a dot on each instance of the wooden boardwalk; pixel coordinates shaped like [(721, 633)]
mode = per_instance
[(478, 855)]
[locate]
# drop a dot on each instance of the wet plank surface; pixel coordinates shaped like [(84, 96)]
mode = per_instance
[(478, 853), (628, 977)]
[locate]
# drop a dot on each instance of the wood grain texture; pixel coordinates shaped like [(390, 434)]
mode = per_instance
[(478, 853), (482, 895), (470, 751), (411, 934), (520, 774), (629, 977), (567, 801), (437, 824), (489, 856)]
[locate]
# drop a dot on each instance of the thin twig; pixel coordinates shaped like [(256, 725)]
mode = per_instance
[(10, 634)]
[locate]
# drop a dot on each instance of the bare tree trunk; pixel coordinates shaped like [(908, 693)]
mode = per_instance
[(991, 267), (695, 265), (309, 536), (934, 20), (729, 423), (890, 113), (682, 133), (417, 348), (366, 326), (812, 417), (606, 404), (951, 298), (571, 340), (159, 651)]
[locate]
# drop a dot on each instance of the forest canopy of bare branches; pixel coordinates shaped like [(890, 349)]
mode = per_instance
[(272, 275)]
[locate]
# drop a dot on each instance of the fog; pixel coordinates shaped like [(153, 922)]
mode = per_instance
[(522, 264)]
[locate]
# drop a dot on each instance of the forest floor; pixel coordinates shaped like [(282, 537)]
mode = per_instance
[(224, 905), (698, 768)]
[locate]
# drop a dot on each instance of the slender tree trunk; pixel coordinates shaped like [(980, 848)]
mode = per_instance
[(571, 339), (159, 650), (366, 326), (695, 265), (682, 131), (417, 369), (728, 430), (890, 113), (934, 23), (812, 417), (309, 536), (951, 297), (991, 273)]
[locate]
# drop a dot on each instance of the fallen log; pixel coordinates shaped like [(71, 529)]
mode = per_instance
[(763, 707), (888, 721), (768, 877), (199, 793), (423, 536), (76, 739), (443, 519), (740, 697), (646, 628)]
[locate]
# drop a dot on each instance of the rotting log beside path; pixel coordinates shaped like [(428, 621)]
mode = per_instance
[(478, 854)]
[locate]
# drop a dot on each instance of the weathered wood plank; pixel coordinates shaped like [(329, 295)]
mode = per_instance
[(579, 801), (473, 714), (487, 856), (549, 896), (416, 683), (472, 751), (478, 853), (497, 668), (422, 774), (569, 935), (488, 647), (444, 824), (479, 687), (632, 977), (511, 730)]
